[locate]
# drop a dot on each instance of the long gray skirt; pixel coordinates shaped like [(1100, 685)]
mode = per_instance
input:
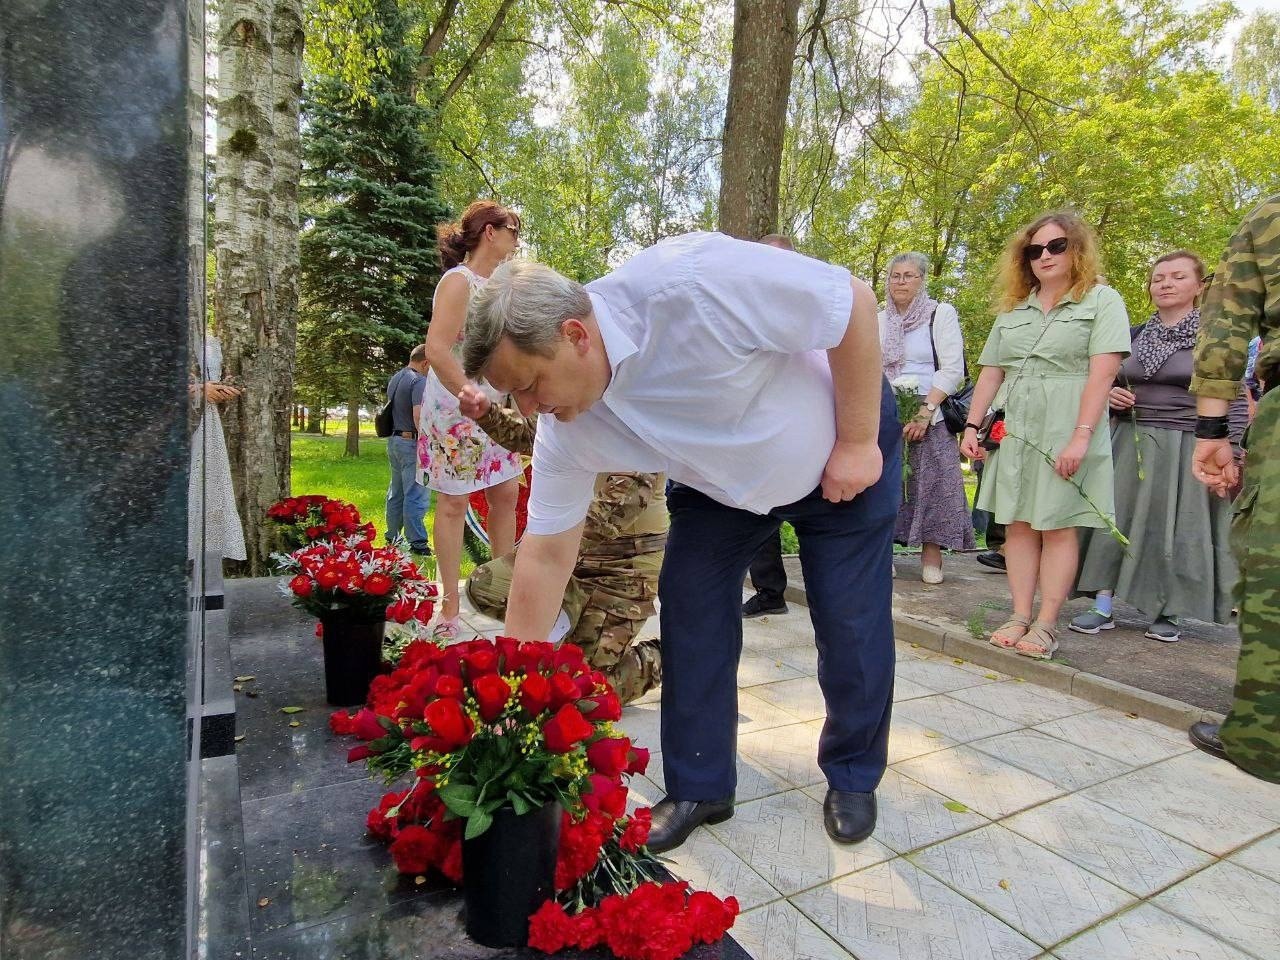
[(934, 509), (1179, 562)]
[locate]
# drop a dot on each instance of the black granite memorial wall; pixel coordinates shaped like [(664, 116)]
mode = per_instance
[(95, 659)]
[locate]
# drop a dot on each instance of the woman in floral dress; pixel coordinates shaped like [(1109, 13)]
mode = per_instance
[(455, 456)]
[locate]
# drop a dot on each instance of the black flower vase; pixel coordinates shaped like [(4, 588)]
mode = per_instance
[(352, 654), (508, 872)]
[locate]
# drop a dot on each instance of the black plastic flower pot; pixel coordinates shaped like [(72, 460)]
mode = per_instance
[(508, 872), (352, 655)]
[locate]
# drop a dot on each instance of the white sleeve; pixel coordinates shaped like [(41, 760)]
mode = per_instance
[(560, 493), (949, 343), (770, 299)]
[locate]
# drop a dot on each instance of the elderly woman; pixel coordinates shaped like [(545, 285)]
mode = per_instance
[(1179, 562), (920, 338), (1049, 363)]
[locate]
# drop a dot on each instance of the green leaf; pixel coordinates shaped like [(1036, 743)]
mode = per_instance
[(519, 804), (460, 798), (955, 806), (292, 709), (477, 824)]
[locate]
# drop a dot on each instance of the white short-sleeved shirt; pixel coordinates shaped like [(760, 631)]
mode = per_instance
[(719, 378)]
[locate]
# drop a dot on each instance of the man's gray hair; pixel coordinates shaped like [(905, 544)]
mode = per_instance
[(525, 302), (917, 260), (418, 354)]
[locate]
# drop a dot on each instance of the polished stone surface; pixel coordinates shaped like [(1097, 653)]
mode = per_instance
[(317, 887), (94, 811)]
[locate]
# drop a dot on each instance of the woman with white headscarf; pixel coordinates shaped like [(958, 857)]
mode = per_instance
[(920, 339)]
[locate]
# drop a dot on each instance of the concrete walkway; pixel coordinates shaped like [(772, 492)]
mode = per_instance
[(1198, 670), (1016, 822)]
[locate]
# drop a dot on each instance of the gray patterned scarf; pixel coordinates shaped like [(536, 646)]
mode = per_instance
[(896, 327), (1155, 343)]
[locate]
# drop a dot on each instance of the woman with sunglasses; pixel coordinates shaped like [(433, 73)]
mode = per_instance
[(455, 457), (1179, 561), (920, 338), (1049, 363)]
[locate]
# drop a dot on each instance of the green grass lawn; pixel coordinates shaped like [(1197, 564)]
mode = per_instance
[(320, 467)]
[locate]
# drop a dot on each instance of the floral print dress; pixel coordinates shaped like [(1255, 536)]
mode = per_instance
[(454, 455)]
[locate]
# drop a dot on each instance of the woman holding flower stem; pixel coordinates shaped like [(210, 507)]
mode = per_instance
[(1179, 562), (1049, 363), (921, 345)]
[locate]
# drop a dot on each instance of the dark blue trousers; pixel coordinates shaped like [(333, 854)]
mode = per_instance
[(846, 552)]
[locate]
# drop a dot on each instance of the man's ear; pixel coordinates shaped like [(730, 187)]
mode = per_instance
[(576, 332)]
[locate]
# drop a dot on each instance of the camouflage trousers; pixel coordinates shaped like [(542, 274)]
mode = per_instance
[(1251, 732), (606, 610)]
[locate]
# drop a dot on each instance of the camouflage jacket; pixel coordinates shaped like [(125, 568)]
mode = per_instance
[(1243, 301), (628, 514)]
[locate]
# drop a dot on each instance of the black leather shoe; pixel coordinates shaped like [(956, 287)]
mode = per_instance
[(760, 605), (1205, 736), (849, 817), (423, 551), (992, 559), (674, 820)]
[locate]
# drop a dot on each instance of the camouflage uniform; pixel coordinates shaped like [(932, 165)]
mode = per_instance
[(610, 594), (1243, 301)]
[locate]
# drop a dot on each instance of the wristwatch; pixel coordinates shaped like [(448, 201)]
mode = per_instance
[(931, 407)]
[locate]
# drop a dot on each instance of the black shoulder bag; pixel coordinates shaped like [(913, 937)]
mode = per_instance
[(955, 408), (384, 420)]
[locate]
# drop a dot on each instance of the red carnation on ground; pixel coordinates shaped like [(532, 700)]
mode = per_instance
[(636, 833), (342, 723), (417, 849), (710, 917), (380, 826), (580, 843)]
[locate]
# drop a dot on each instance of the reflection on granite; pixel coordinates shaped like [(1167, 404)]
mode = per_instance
[(276, 645), (93, 469), (318, 887), (223, 930)]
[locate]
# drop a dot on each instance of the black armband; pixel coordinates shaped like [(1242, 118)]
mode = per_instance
[(1212, 428)]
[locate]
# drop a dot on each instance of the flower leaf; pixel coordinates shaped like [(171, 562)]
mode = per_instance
[(955, 806), (292, 709)]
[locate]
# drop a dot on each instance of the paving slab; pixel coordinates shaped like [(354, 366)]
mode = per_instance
[(1198, 670)]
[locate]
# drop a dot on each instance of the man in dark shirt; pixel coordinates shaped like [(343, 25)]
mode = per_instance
[(407, 499)]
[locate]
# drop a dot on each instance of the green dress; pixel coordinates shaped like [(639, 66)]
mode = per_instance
[(1045, 359)]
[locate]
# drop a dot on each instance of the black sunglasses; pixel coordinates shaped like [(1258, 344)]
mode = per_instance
[(1034, 251)]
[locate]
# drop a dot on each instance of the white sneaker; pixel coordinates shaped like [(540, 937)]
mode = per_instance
[(931, 575)]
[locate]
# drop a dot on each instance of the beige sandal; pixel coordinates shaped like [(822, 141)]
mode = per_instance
[(1005, 642), (1043, 647)]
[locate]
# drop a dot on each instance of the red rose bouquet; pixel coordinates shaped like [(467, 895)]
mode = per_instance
[(314, 517), (349, 573), (483, 724)]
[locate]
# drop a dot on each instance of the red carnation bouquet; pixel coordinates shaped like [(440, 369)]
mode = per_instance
[(487, 723), (305, 519), (349, 573)]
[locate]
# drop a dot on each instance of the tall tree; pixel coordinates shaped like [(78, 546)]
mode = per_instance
[(260, 48), (764, 44), (369, 260)]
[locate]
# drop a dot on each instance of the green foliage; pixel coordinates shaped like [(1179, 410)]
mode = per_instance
[(369, 260), (1113, 107)]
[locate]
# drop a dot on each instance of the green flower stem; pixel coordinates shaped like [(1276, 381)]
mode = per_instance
[(1051, 460)]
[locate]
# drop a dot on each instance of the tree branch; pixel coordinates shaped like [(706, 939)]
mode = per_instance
[(469, 65), (434, 41), (493, 190)]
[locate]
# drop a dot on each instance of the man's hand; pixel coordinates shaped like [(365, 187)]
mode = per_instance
[(1214, 465), (473, 402), (851, 468)]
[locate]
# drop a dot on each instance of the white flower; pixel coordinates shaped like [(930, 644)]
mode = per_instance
[(906, 384)]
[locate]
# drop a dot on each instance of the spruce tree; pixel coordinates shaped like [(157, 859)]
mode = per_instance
[(369, 260)]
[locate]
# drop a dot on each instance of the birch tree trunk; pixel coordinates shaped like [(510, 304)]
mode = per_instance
[(764, 44), (256, 242)]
